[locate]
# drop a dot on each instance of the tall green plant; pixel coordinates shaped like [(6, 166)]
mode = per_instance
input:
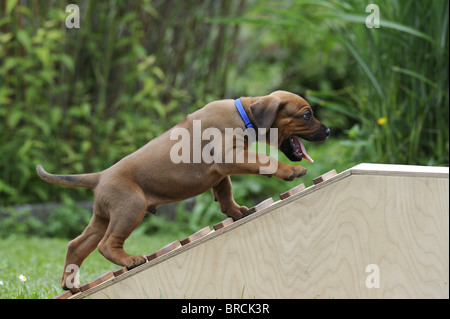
[(69, 99), (395, 84), (403, 90), (78, 100)]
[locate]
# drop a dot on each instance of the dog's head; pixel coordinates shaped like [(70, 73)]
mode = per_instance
[(295, 120)]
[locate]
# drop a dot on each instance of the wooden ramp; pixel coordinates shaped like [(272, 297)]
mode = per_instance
[(373, 231)]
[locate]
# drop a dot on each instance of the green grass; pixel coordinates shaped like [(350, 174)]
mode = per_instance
[(41, 261)]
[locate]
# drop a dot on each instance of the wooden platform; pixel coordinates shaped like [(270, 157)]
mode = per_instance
[(384, 226)]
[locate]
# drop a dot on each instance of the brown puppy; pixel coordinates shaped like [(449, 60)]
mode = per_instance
[(169, 169)]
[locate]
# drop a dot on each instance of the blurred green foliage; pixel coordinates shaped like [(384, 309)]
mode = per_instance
[(78, 100)]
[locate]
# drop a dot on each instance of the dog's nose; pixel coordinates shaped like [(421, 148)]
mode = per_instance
[(327, 131)]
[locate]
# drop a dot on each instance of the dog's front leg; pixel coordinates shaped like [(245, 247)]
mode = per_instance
[(222, 194), (261, 164)]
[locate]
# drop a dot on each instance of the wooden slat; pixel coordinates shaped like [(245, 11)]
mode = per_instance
[(324, 177), (97, 281), (260, 206), (120, 271), (223, 223), (173, 245), (295, 190), (202, 232)]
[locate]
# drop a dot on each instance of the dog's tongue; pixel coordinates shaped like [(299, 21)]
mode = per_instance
[(303, 149)]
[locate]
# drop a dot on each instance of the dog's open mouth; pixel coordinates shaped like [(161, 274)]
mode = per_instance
[(294, 149)]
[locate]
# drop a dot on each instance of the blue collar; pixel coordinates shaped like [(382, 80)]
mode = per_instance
[(241, 111)]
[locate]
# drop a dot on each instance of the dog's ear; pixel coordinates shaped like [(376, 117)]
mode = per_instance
[(264, 111)]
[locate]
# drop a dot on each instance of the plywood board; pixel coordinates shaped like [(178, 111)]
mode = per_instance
[(332, 240)]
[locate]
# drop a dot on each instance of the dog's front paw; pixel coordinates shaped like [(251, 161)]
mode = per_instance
[(136, 261), (236, 212), (289, 172), (297, 171)]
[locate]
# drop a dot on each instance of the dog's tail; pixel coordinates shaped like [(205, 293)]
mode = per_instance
[(79, 180)]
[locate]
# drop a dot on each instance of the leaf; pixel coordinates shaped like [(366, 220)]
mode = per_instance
[(24, 39), (8, 64), (14, 117), (55, 116), (340, 109), (23, 150), (67, 61), (158, 73), (383, 24), (10, 5), (41, 193), (43, 55), (139, 50), (157, 105), (5, 93), (366, 68), (85, 146), (42, 124), (416, 75), (5, 37), (5, 188)]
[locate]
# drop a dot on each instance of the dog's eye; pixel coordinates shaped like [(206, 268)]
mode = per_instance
[(307, 116)]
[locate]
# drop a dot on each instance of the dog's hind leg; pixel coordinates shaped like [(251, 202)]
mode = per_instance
[(79, 248), (124, 218)]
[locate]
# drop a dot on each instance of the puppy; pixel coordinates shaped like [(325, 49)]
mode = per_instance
[(157, 174)]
